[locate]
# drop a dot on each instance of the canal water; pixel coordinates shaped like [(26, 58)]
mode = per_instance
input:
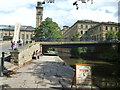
[(104, 74)]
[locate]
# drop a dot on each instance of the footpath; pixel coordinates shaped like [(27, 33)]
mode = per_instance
[(4, 42), (46, 72)]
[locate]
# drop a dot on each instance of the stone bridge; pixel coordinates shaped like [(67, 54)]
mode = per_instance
[(23, 55), (76, 44)]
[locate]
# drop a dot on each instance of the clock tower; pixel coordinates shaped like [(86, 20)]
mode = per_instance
[(39, 14)]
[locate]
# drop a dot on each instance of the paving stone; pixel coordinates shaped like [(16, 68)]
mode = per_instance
[(47, 72)]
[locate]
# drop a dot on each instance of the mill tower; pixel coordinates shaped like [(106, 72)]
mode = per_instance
[(39, 13)]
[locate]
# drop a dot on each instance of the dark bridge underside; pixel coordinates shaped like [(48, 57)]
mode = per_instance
[(78, 45)]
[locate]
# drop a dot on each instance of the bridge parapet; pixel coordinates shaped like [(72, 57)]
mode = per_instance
[(23, 55)]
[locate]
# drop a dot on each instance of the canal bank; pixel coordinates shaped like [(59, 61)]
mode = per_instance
[(46, 72)]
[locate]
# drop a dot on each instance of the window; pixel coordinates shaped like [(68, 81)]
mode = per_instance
[(86, 26), (106, 28), (111, 28), (30, 35), (23, 36), (81, 32), (96, 29), (81, 26), (27, 37), (85, 32), (100, 28), (0, 35)]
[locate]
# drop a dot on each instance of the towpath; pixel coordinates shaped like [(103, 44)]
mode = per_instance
[(46, 72)]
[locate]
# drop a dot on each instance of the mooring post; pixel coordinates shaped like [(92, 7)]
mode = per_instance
[(2, 64)]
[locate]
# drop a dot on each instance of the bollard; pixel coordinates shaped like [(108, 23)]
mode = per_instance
[(2, 64)]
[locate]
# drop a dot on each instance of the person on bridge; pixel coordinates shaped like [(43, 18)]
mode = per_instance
[(13, 46)]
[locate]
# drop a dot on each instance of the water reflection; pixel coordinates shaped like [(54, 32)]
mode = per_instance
[(104, 74)]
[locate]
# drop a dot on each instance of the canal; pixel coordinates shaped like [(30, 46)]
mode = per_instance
[(104, 74)]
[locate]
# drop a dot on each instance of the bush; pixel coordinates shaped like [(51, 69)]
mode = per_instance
[(77, 51)]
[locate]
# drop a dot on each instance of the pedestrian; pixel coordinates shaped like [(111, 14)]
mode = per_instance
[(37, 54), (12, 45), (34, 55)]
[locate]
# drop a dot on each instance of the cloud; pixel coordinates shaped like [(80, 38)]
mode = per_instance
[(62, 11), (65, 13)]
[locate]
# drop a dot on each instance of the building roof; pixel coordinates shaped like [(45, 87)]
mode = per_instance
[(86, 21), (11, 27), (104, 23)]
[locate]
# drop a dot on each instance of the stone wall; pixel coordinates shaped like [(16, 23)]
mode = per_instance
[(23, 55)]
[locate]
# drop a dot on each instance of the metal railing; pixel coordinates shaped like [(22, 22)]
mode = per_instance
[(85, 39)]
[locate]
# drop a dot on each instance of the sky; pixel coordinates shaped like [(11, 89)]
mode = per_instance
[(61, 11)]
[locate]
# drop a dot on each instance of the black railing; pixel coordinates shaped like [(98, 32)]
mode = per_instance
[(85, 39)]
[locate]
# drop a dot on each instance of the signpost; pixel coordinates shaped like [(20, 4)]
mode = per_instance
[(83, 76)]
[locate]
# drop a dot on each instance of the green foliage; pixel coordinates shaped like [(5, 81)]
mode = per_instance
[(111, 34), (52, 49), (77, 51), (48, 31), (118, 35), (75, 36)]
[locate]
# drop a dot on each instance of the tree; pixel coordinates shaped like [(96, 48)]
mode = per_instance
[(48, 30), (118, 35), (75, 36), (111, 34)]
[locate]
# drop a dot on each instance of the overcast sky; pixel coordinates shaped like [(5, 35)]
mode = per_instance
[(62, 11)]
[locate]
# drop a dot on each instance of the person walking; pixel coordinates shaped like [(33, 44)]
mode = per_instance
[(12, 45)]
